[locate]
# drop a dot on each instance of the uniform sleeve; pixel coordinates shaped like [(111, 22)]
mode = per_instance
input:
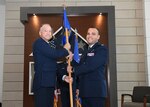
[(51, 52)]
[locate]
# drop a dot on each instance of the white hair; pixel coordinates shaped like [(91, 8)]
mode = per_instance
[(44, 26)]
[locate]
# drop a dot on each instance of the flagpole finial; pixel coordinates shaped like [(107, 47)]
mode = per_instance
[(64, 5)]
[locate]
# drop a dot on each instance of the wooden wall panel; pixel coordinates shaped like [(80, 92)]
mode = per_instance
[(81, 23)]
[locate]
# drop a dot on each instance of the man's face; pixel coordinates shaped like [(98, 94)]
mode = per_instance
[(46, 32), (92, 36)]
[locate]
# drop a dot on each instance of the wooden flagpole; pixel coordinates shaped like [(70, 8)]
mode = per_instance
[(69, 64)]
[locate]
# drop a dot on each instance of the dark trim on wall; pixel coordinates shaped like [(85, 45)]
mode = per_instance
[(25, 11), (110, 10)]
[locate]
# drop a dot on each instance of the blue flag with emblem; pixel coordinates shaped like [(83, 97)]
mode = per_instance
[(67, 26), (66, 22), (76, 56)]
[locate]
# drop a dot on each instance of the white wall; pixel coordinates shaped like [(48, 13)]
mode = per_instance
[(2, 29), (2, 1)]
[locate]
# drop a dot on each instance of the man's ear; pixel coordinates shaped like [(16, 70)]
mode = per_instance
[(99, 37), (40, 33)]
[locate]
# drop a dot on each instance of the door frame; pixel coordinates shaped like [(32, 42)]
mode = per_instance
[(110, 11)]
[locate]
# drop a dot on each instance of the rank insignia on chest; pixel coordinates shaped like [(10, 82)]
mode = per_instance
[(90, 54), (52, 46)]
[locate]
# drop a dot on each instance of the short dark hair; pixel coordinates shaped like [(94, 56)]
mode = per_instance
[(96, 29)]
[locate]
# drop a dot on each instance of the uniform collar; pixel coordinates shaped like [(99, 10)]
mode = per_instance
[(90, 46)]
